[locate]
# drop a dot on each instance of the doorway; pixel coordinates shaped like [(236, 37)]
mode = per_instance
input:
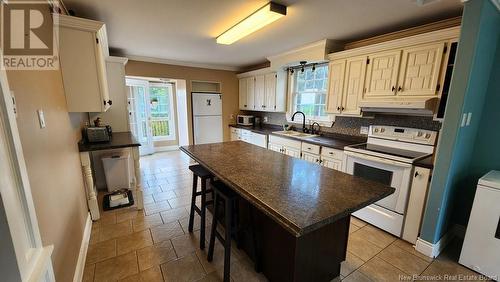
[(151, 113), (153, 108)]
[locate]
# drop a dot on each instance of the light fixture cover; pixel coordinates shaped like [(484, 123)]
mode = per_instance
[(260, 18)]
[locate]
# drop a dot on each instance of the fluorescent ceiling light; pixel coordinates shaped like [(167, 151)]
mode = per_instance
[(260, 18)]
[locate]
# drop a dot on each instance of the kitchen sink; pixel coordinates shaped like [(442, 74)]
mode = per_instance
[(295, 134)]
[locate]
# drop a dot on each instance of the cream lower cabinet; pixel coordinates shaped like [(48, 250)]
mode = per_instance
[(327, 157), (285, 146), (249, 137), (235, 134), (331, 163), (310, 152), (313, 158), (332, 158)]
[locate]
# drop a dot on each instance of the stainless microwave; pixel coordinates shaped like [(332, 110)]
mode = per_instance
[(245, 120)]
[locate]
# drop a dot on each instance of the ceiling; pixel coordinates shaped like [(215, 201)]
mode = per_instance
[(185, 30)]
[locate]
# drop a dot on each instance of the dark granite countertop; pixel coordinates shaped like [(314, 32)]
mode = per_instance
[(331, 140), (118, 140), (426, 162), (298, 195)]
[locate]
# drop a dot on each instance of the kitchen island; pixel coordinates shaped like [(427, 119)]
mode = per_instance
[(300, 211)]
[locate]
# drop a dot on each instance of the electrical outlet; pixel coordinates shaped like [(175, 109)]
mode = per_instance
[(41, 118), (265, 119), (364, 130)]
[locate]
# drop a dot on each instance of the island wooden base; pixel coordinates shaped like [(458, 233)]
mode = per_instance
[(315, 256)]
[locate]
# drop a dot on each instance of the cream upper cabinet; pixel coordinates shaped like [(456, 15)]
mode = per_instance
[(281, 90), (243, 94), (335, 85), (250, 83), (266, 92), (270, 92), (382, 74), (83, 52), (353, 85), (420, 69), (260, 93)]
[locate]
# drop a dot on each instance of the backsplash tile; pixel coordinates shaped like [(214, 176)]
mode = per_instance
[(352, 125)]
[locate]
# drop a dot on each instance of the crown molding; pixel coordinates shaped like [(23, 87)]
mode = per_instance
[(115, 59), (180, 63)]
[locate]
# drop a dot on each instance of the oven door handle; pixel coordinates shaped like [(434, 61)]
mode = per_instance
[(377, 159)]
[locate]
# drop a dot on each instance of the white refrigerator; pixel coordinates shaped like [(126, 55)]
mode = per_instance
[(207, 117)]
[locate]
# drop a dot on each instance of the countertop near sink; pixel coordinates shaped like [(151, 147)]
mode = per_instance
[(330, 140)]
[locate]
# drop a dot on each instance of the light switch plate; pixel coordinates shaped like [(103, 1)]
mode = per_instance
[(41, 118), (469, 116), (464, 120), (363, 130), (265, 119)]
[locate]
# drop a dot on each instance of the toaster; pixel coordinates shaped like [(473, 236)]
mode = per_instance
[(97, 134)]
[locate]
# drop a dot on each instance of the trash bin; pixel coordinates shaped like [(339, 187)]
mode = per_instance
[(116, 170)]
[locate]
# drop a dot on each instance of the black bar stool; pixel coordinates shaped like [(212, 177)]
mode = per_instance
[(223, 194), (204, 175)]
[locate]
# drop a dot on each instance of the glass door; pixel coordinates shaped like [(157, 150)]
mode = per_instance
[(140, 114)]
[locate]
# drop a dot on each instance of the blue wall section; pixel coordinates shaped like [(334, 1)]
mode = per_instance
[(452, 183)]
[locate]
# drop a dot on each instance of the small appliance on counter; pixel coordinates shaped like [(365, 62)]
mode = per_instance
[(245, 120), (97, 134), (257, 122)]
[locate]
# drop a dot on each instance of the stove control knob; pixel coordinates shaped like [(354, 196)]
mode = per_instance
[(382, 130), (420, 133), (427, 135), (376, 130)]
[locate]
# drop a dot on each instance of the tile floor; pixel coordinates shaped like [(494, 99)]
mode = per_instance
[(154, 244)]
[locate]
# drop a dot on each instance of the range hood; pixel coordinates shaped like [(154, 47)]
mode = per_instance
[(407, 106)]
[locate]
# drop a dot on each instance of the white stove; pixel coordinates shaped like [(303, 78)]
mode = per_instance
[(388, 157)]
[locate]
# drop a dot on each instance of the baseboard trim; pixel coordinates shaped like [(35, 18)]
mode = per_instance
[(433, 250), (166, 148), (80, 265)]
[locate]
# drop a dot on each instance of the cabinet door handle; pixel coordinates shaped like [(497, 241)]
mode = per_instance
[(338, 108), (331, 153), (342, 108), (416, 173), (104, 102), (400, 88), (245, 106), (110, 102), (393, 88)]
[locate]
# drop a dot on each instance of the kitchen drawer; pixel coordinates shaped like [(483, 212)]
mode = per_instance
[(245, 132), (285, 142), (310, 148), (235, 130), (332, 153)]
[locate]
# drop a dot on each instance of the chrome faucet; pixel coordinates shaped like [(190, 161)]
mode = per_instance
[(304, 129)]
